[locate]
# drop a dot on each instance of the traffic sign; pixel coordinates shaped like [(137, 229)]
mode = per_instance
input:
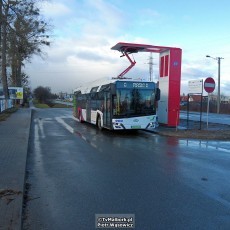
[(209, 85), (195, 86)]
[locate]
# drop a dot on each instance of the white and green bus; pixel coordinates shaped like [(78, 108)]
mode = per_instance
[(117, 104)]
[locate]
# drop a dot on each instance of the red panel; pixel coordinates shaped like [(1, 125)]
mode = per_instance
[(166, 65), (162, 66), (174, 104), (174, 87), (175, 64)]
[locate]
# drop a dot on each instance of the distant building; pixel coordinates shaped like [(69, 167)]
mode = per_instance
[(225, 99), (65, 96)]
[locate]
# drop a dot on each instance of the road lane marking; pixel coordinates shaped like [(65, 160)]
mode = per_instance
[(37, 143), (72, 117), (71, 130), (39, 122), (64, 124)]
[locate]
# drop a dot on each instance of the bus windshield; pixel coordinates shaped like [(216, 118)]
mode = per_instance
[(134, 102)]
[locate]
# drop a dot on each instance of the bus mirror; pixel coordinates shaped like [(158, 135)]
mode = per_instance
[(158, 94)]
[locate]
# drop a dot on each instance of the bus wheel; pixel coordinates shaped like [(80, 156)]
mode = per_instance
[(99, 123)]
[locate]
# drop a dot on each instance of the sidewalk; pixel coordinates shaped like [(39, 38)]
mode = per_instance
[(196, 130), (14, 137)]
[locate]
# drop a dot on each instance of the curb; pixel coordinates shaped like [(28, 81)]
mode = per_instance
[(24, 179)]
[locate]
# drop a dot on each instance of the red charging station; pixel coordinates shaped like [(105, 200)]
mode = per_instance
[(169, 77), (169, 84)]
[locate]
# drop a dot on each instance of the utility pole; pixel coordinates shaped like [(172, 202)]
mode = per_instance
[(218, 90), (218, 97), (150, 63)]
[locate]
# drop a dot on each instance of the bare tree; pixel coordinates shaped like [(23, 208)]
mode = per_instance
[(31, 35), (4, 14), (23, 32)]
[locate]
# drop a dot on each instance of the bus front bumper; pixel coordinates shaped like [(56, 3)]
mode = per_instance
[(135, 123)]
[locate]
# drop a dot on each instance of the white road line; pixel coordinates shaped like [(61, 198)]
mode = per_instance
[(64, 124), (37, 144), (40, 126), (71, 130), (72, 117)]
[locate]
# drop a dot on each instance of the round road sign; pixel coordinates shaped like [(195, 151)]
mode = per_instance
[(209, 85)]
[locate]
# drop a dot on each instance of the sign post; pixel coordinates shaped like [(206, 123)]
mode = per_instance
[(195, 87), (209, 86)]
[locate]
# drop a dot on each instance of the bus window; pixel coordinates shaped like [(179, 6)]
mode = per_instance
[(114, 104), (134, 102), (94, 89)]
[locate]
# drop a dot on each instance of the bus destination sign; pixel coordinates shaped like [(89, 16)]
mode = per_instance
[(131, 85)]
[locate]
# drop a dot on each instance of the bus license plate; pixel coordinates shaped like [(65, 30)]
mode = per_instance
[(135, 127)]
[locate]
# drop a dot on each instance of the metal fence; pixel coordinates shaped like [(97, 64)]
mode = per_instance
[(5, 104)]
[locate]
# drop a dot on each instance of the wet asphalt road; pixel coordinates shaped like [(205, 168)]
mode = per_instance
[(76, 171)]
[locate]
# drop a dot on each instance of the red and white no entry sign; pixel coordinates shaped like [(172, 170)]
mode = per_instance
[(209, 85)]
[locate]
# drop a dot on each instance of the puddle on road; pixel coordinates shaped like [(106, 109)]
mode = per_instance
[(203, 166), (208, 145), (87, 140)]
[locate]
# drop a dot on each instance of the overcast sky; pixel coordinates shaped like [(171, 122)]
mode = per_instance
[(85, 30)]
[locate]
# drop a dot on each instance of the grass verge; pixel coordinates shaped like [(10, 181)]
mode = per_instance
[(50, 105), (61, 106), (41, 106)]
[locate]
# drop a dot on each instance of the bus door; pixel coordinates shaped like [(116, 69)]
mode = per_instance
[(107, 110), (88, 111)]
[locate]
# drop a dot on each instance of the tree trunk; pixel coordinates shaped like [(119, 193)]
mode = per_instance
[(19, 70), (4, 74), (13, 61), (0, 25)]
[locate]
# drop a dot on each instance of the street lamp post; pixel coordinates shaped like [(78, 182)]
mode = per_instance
[(218, 90)]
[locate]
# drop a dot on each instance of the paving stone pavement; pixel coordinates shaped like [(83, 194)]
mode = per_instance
[(14, 137)]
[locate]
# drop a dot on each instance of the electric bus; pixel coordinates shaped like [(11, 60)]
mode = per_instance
[(117, 104)]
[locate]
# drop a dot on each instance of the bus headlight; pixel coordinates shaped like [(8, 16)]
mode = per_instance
[(151, 125), (117, 125)]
